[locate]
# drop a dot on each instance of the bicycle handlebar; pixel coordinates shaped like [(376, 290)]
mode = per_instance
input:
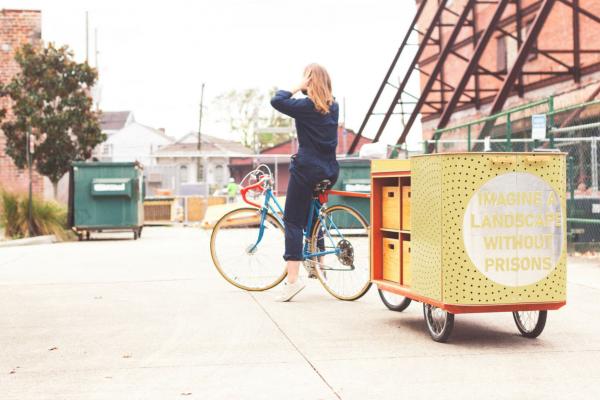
[(245, 190)]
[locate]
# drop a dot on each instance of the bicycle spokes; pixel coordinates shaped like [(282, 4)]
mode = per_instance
[(247, 252), (340, 243)]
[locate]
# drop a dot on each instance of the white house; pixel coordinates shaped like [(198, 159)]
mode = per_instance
[(112, 122), (134, 142), (199, 170)]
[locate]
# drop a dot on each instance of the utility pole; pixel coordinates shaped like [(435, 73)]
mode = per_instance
[(344, 132), (87, 38), (97, 89), (200, 118), (96, 48), (29, 145), (200, 172), (344, 106)]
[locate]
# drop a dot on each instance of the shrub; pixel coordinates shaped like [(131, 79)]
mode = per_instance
[(9, 214), (48, 217)]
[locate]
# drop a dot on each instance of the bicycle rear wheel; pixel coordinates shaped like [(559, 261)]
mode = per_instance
[(346, 275), (238, 257)]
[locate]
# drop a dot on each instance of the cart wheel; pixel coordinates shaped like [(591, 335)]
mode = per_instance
[(530, 323), (439, 322), (87, 235), (394, 302)]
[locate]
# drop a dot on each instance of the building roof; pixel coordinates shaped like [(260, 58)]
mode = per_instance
[(135, 130), (210, 145), (114, 120), (344, 143)]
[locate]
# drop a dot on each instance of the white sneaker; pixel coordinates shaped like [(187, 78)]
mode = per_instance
[(289, 290)]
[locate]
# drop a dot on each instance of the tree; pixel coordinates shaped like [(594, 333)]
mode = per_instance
[(241, 110), (50, 99), (248, 112), (276, 120)]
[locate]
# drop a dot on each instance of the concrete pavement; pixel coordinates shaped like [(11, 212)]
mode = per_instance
[(152, 319)]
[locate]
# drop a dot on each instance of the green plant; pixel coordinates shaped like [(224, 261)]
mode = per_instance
[(9, 214), (48, 217), (50, 100)]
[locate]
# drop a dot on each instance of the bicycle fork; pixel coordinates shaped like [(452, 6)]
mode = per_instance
[(251, 249)]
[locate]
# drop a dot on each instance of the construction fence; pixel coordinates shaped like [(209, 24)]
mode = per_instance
[(170, 199)]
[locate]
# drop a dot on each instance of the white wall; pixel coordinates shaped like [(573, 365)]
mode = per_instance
[(63, 189), (211, 169), (212, 174), (135, 142)]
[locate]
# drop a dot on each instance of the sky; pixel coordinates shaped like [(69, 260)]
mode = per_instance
[(153, 56)]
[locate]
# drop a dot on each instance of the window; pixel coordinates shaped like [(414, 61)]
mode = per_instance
[(525, 30), (183, 173), (106, 149), (219, 174), (501, 54), (199, 170), (507, 49), (512, 50)]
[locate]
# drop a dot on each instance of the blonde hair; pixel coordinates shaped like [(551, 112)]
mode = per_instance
[(319, 87)]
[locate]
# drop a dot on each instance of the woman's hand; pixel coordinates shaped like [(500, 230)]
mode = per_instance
[(303, 86)]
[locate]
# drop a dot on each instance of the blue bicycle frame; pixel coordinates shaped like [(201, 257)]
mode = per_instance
[(315, 207)]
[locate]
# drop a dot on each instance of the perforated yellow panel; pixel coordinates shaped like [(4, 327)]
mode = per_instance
[(462, 176), (426, 233), (551, 169)]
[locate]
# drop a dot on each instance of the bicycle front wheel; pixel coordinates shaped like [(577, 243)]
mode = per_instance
[(240, 257), (344, 269)]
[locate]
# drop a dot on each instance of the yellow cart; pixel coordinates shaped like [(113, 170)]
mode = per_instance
[(469, 233)]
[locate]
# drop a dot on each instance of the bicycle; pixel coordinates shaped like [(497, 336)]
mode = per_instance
[(246, 242)]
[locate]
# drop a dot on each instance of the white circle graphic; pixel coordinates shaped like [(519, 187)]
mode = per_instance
[(513, 229)]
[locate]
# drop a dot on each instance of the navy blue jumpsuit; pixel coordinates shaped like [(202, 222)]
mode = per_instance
[(314, 162)]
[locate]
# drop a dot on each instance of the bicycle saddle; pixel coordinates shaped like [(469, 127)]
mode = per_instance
[(322, 186)]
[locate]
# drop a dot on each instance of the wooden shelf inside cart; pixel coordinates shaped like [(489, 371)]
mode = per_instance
[(394, 231), (390, 221)]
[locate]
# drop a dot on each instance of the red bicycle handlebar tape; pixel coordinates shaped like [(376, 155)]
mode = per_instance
[(245, 190)]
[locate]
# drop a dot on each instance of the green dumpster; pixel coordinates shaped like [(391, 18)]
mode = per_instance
[(106, 196), (355, 176)]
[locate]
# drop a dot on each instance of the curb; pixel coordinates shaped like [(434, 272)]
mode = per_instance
[(48, 239)]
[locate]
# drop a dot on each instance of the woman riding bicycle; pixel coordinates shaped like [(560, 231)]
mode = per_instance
[(316, 118)]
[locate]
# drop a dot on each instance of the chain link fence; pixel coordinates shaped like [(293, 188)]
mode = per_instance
[(574, 130)]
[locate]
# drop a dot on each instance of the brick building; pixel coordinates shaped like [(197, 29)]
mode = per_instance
[(462, 60), (17, 27), (552, 67)]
